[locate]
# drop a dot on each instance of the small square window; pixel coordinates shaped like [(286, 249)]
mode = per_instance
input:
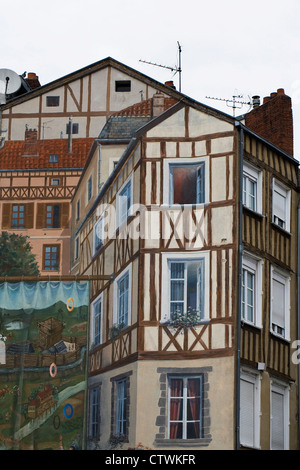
[(75, 128), (55, 181), (123, 85), (52, 101), (53, 158), (185, 182)]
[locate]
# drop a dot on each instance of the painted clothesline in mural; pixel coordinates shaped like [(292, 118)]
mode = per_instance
[(43, 377)]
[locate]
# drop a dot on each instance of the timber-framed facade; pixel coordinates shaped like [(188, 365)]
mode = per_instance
[(236, 255)]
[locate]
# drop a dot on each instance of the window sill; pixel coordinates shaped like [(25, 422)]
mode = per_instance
[(280, 229), (256, 214), (205, 441), (279, 337), (251, 325), (195, 205)]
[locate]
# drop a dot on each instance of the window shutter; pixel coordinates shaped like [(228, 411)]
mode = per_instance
[(29, 213), (279, 202), (278, 303), (65, 210), (277, 426), (40, 215), (6, 216), (247, 407)]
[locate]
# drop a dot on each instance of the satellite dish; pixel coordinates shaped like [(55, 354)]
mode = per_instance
[(10, 82)]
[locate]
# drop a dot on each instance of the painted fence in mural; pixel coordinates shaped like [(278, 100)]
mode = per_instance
[(43, 365)]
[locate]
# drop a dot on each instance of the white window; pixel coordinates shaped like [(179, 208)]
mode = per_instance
[(98, 234), (77, 210), (94, 412), (252, 188), (249, 409), (97, 315), (89, 189), (281, 205), (280, 303), (252, 290), (121, 412), (76, 254), (185, 181), (186, 284), (122, 298), (279, 416), (124, 203), (185, 403)]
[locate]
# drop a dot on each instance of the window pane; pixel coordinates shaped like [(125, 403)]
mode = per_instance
[(176, 387), (277, 421), (278, 304), (193, 430), (185, 184), (192, 279), (175, 430)]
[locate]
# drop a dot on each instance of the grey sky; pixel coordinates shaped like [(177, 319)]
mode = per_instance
[(229, 47)]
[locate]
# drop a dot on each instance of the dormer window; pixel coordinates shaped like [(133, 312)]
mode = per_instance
[(53, 158)]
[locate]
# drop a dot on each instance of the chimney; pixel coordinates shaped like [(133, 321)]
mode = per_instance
[(170, 84), (32, 80), (158, 104), (273, 120), (31, 143)]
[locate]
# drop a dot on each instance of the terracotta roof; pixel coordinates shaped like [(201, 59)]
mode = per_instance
[(37, 156), (145, 107)]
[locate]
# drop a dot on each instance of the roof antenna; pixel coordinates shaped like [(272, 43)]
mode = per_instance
[(234, 102), (175, 68)]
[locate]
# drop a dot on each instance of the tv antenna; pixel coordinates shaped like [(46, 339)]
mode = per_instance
[(176, 69), (10, 82), (234, 103)]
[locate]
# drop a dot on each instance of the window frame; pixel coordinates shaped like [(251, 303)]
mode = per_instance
[(18, 218), (54, 217), (77, 210), (89, 189), (53, 158), (167, 259), (76, 250), (167, 180), (116, 312), (282, 388), (94, 411), (52, 101), (121, 415), (285, 192), (58, 259), (100, 222), (120, 220), (253, 264), (283, 277), (122, 86), (255, 175), (96, 302), (185, 421), (254, 379)]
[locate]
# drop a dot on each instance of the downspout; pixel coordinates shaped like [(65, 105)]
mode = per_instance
[(239, 300), (298, 314), (99, 167)]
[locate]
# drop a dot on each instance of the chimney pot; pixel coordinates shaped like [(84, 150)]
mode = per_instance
[(170, 84), (280, 91), (273, 94), (256, 101)]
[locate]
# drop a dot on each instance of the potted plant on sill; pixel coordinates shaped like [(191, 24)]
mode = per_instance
[(183, 320)]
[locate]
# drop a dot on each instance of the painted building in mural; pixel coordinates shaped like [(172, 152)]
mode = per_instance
[(46, 137), (196, 225)]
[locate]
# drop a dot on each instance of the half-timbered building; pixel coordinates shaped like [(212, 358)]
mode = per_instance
[(195, 223), (37, 181)]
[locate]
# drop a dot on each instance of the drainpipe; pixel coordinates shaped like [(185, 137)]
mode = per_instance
[(239, 304), (298, 314)]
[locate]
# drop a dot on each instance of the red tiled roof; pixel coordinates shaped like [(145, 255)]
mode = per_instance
[(144, 108), (12, 154)]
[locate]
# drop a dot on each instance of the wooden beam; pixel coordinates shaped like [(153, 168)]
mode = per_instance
[(55, 278)]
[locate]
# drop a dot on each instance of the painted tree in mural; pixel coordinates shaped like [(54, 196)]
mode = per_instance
[(16, 258)]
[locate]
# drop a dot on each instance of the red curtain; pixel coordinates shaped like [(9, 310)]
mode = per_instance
[(193, 390), (175, 406)]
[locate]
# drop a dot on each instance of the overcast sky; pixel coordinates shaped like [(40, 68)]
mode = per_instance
[(228, 47)]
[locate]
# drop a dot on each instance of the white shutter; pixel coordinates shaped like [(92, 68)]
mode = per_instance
[(279, 205), (277, 425), (247, 413)]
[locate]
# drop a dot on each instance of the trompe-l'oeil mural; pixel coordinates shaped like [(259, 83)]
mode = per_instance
[(43, 351)]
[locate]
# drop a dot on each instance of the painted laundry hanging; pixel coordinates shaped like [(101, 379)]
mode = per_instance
[(43, 354)]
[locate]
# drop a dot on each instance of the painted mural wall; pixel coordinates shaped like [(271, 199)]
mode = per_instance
[(43, 342)]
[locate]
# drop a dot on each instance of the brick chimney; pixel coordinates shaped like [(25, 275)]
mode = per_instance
[(31, 140), (273, 120)]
